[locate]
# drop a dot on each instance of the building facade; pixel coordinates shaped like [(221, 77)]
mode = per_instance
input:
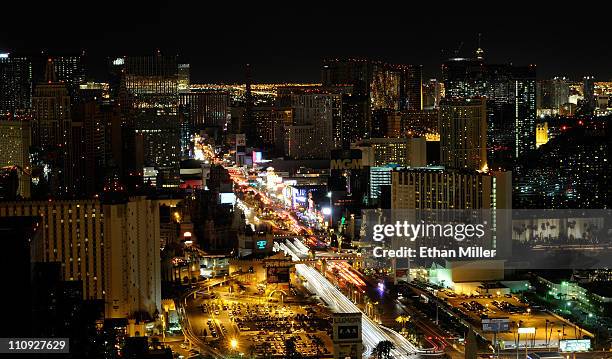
[(207, 108), (315, 114), (52, 132), (15, 83), (404, 152), (132, 263), (15, 141), (510, 93), (113, 248), (70, 70), (463, 133), (437, 188)]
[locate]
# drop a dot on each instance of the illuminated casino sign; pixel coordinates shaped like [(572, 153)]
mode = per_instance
[(347, 335), (346, 160), (346, 164), (347, 327)]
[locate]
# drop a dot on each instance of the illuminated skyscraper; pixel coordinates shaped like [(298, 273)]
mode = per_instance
[(354, 72), (552, 95), (52, 131), (270, 123), (111, 247), (433, 91), (411, 87), (15, 83), (510, 93), (315, 111), (207, 108), (438, 188), (541, 134), (375, 86), (160, 138), (70, 70), (247, 125), (152, 97), (571, 171), (385, 87), (15, 140), (89, 148), (183, 77), (464, 77), (463, 133), (151, 81), (353, 126), (386, 123), (588, 90), (524, 80), (403, 152)]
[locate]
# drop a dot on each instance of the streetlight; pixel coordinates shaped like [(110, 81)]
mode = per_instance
[(234, 344)]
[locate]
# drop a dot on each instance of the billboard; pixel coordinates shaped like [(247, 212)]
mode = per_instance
[(495, 324), (527, 330), (277, 275), (347, 327), (575, 345), (257, 157), (227, 198), (240, 148), (348, 332), (263, 244)]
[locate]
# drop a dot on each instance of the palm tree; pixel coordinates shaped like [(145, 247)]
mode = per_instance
[(403, 320), (382, 350)]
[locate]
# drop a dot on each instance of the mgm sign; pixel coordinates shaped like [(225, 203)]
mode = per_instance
[(346, 160), (346, 164), (347, 336)]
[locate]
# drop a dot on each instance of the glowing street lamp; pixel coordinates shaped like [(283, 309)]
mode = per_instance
[(234, 344)]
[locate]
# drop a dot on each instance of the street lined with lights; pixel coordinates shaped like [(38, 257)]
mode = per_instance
[(372, 333)]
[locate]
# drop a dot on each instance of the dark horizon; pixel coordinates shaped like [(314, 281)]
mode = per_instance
[(283, 46)]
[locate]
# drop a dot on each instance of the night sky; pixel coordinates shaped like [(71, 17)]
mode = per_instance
[(286, 41)]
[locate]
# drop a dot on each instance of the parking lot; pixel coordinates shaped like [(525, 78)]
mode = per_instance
[(308, 345), (549, 329), (262, 328), (478, 307)]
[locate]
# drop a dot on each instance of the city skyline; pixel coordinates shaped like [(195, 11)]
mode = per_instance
[(290, 48), (305, 181)]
